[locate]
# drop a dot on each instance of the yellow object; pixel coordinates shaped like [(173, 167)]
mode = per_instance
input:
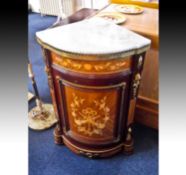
[(153, 4)]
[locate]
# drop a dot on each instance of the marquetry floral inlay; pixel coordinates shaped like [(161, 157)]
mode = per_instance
[(90, 118), (99, 66)]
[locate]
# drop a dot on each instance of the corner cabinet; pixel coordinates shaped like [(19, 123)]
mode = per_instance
[(94, 95)]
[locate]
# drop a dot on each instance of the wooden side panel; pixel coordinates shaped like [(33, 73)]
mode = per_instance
[(148, 101), (147, 112), (149, 86)]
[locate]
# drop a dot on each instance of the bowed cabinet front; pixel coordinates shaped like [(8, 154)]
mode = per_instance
[(94, 100)]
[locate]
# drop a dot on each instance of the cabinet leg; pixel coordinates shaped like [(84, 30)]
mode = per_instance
[(128, 146), (58, 136)]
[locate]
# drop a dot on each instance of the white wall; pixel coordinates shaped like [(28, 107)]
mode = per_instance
[(97, 4), (35, 5)]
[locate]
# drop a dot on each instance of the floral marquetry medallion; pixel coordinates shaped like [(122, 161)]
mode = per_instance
[(91, 113), (90, 120)]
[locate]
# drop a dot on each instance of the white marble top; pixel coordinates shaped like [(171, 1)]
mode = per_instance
[(94, 37)]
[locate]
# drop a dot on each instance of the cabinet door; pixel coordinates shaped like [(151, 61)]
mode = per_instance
[(91, 113)]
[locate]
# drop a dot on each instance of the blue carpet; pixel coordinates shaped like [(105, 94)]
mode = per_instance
[(46, 158)]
